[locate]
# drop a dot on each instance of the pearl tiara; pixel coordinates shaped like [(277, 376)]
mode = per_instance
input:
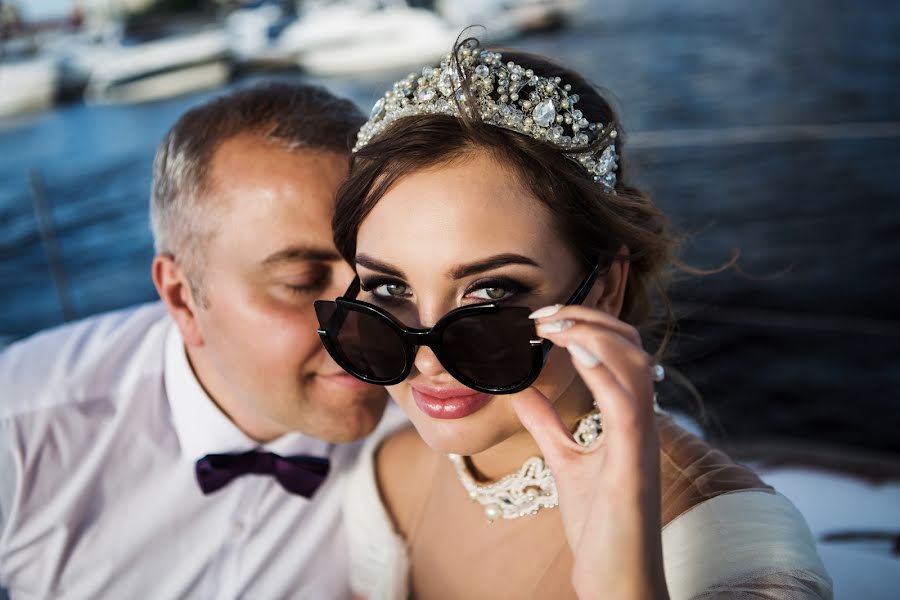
[(506, 95)]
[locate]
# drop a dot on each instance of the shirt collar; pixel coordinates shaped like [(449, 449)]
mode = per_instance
[(202, 428)]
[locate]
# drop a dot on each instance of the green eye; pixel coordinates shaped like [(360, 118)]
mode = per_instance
[(391, 290), (491, 293)]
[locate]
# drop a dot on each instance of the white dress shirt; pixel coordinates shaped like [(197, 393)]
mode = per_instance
[(101, 423)]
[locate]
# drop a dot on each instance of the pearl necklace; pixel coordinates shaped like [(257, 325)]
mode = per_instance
[(529, 489)]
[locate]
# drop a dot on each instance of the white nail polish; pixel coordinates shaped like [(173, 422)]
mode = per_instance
[(557, 326), (547, 311), (581, 354)]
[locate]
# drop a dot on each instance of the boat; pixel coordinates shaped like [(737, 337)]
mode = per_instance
[(254, 32), (350, 38), (353, 37), (112, 70), (339, 37), (503, 19), (76, 53), (27, 84), (160, 68)]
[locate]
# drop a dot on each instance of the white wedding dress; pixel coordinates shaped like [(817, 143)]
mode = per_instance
[(741, 544)]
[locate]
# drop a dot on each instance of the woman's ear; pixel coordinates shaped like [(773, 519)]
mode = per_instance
[(609, 290)]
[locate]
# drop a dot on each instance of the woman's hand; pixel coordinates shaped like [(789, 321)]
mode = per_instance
[(609, 493)]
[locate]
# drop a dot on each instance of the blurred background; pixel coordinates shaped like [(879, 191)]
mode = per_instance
[(770, 128)]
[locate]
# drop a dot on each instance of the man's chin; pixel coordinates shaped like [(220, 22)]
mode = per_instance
[(344, 411), (351, 425)]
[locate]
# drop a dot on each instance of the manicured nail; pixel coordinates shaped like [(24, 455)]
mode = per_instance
[(581, 354), (557, 326), (547, 311)]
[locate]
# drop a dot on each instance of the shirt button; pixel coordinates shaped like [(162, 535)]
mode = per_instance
[(237, 528)]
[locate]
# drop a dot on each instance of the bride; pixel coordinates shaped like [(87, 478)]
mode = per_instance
[(504, 261)]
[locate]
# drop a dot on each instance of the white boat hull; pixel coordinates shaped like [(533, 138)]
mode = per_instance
[(154, 70), (158, 86), (351, 41), (503, 19), (27, 86)]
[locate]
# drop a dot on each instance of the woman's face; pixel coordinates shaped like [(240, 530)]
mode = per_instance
[(455, 235)]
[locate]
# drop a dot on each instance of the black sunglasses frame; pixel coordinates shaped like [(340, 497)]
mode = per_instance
[(432, 337)]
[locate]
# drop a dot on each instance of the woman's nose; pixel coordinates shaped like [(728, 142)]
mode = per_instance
[(427, 363)]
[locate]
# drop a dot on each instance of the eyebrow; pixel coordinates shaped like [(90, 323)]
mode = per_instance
[(489, 263), (301, 253), (376, 265), (486, 264)]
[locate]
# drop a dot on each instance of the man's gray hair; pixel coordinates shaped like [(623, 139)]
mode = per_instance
[(298, 117)]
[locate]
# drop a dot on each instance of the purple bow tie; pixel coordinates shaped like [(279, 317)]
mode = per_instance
[(297, 474)]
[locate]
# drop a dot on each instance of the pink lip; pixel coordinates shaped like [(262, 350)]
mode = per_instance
[(449, 403)]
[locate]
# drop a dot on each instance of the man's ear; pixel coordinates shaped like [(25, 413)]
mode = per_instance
[(609, 291), (174, 289)]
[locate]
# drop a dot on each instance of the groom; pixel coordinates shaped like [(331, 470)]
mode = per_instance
[(194, 447)]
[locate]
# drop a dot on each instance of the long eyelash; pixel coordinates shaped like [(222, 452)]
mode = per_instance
[(510, 285), (370, 284)]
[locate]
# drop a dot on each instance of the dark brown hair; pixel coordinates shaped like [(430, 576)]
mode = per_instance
[(598, 224)]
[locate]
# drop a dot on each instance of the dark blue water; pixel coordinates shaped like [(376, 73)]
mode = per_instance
[(802, 340)]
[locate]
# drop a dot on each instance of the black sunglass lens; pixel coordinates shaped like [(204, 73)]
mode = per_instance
[(492, 349), (368, 344)]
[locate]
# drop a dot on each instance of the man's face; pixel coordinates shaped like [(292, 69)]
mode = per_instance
[(271, 256)]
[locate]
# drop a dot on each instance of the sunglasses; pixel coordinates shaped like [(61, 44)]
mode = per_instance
[(487, 347)]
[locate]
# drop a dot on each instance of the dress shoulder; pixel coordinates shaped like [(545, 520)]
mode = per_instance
[(379, 563), (692, 471), (743, 544), (726, 533)]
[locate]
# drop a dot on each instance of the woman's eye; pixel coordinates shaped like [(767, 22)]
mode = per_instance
[(391, 290), (492, 293)]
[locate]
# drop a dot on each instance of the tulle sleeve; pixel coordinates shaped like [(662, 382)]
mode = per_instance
[(743, 545), (726, 533)]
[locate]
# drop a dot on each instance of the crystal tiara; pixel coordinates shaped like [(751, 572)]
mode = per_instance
[(506, 95)]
